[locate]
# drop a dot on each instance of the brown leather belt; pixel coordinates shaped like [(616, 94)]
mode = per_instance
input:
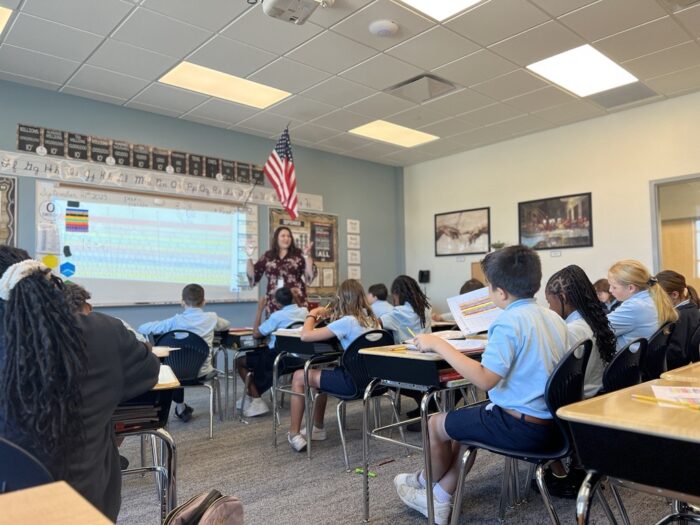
[(525, 417)]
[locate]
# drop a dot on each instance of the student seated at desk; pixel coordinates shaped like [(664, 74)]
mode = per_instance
[(602, 290), (645, 305), (62, 376), (192, 319), (411, 315), (525, 343), (468, 286), (349, 319), (376, 297), (262, 361), (685, 340)]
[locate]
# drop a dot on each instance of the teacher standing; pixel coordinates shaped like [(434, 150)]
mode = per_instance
[(284, 265)]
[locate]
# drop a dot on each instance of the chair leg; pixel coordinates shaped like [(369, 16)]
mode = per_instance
[(620, 506), (468, 457), (395, 409), (211, 409), (527, 489), (585, 495), (604, 503), (505, 499), (339, 409), (217, 385), (539, 476)]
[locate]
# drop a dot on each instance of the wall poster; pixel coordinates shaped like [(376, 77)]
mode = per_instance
[(8, 210), (322, 230)]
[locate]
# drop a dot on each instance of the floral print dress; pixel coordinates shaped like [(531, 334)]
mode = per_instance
[(289, 270)]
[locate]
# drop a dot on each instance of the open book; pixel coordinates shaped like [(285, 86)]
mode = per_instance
[(474, 311)]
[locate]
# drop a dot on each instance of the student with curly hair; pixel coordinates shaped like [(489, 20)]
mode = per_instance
[(411, 313)]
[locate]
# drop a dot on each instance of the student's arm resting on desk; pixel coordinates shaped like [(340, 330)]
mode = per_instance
[(221, 324), (310, 334), (473, 371)]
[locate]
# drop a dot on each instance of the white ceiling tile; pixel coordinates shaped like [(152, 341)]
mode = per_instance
[(106, 82), (418, 117), (30, 64), (690, 19), (408, 157), (341, 120), (153, 109), (377, 149), (666, 61), (518, 125), (345, 141), (258, 30), (267, 122), (496, 20), (435, 47), (300, 108), (676, 83), (338, 91), (19, 79), (607, 17), (569, 112), (102, 97), (560, 7), (206, 121), (327, 17), (381, 72), (311, 133), (475, 68), (129, 60), (95, 16), (441, 148), (50, 38), (460, 102), (540, 99), (356, 26), (510, 85), (251, 131), (380, 105), (209, 14), (448, 127), (538, 43), (332, 52), (151, 30), (289, 75), (230, 56), (169, 97), (223, 111), (490, 114), (642, 40)]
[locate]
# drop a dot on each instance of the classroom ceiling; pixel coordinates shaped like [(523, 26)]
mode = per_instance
[(116, 50)]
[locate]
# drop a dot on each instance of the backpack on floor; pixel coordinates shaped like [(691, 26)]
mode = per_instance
[(207, 508)]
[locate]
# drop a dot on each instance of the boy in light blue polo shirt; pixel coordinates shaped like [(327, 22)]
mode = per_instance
[(525, 343), (376, 297), (261, 361)]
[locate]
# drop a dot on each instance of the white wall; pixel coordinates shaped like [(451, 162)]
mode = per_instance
[(614, 157)]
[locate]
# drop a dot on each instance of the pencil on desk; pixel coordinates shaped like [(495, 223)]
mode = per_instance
[(657, 401), (411, 332)]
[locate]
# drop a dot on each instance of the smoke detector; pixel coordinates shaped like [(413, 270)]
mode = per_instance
[(384, 28)]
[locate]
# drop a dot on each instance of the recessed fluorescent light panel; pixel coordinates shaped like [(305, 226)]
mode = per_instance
[(441, 9), (393, 134), (211, 82), (5, 14), (583, 70)]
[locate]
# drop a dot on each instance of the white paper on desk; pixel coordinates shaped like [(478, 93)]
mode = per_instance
[(677, 394), (166, 375), (288, 331), (463, 345), (474, 312)]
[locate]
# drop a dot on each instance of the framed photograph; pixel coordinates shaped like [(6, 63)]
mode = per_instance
[(463, 232), (556, 223)]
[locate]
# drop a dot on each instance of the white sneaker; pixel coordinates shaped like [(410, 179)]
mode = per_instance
[(257, 407), (239, 402), (417, 500), (410, 480), (297, 442), (319, 434)]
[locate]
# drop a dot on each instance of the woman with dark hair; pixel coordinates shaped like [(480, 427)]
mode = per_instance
[(61, 377), (684, 342), (284, 265)]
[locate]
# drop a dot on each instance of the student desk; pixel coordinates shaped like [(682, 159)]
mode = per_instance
[(396, 366), (56, 503), (689, 373), (439, 326), (238, 340), (643, 445), (288, 343)]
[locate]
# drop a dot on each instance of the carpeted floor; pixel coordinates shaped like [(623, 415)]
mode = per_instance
[(279, 486)]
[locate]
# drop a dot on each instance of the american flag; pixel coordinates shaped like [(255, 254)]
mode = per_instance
[(279, 170)]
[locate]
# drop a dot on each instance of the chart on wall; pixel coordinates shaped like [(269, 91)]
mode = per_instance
[(130, 248), (322, 230)]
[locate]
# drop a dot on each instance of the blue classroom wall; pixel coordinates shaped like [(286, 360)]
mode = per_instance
[(351, 188)]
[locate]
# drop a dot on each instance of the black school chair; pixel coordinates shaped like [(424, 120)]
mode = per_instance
[(564, 386), (186, 363), (625, 368), (19, 469), (654, 360)]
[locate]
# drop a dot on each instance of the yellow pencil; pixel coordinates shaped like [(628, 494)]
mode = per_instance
[(657, 401), (410, 332)]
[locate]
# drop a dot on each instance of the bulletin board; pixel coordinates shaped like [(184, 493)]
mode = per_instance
[(322, 230)]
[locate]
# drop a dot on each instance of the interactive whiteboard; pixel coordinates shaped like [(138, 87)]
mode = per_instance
[(130, 248)]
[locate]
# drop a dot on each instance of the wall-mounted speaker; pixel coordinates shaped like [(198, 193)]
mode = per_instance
[(423, 276)]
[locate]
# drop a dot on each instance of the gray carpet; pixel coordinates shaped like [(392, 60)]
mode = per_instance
[(278, 485)]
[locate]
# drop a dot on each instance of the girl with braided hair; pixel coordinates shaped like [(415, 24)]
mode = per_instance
[(411, 315), (570, 293), (61, 377)]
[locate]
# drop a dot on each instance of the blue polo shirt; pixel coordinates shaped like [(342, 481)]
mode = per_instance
[(381, 307), (635, 317), (347, 329), (282, 319), (402, 320)]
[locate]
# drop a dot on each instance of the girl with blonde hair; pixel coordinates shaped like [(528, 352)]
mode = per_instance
[(645, 305), (350, 316)]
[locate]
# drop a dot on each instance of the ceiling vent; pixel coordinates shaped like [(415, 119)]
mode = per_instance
[(678, 5), (421, 89), (623, 95)]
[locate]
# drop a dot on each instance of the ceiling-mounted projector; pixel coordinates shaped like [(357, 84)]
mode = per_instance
[(294, 11)]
